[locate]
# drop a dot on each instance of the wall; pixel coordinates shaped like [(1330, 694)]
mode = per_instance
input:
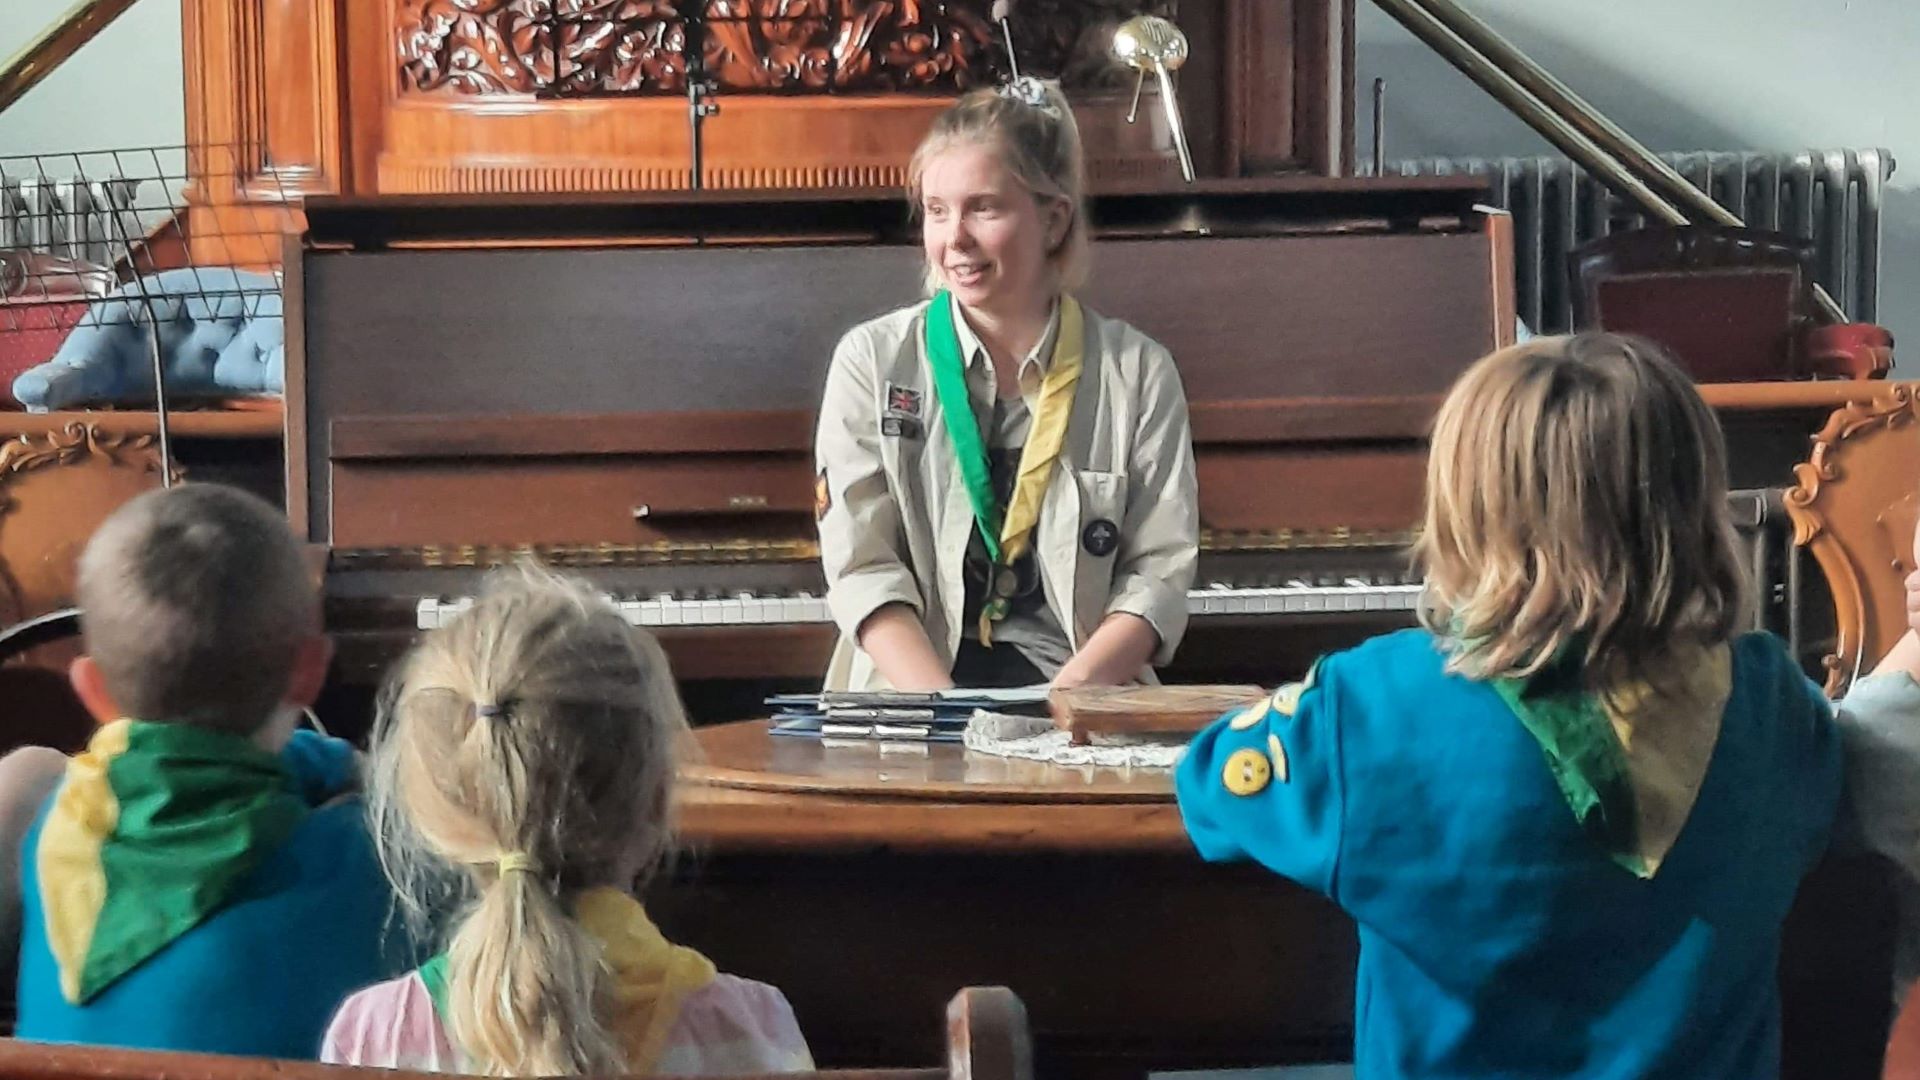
[(122, 89), (1688, 75)]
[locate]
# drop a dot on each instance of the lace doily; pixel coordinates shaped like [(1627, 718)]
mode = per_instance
[(1037, 739)]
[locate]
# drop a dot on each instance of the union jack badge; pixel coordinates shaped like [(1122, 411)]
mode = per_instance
[(902, 400)]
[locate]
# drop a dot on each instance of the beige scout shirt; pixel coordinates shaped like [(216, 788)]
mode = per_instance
[(1119, 527)]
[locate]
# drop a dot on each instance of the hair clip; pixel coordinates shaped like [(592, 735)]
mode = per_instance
[(1030, 91), (516, 862)]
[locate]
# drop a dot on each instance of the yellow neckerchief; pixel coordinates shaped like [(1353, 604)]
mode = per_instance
[(1044, 440), (652, 977), (1668, 732)]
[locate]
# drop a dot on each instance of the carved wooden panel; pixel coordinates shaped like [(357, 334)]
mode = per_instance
[(400, 96), (574, 47), (262, 82), (264, 103), (1853, 507)]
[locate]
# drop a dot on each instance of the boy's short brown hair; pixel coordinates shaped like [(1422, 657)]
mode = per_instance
[(194, 603)]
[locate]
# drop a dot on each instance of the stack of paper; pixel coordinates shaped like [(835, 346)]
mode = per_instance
[(933, 716)]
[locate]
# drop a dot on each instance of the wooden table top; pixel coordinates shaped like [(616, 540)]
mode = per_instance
[(759, 791)]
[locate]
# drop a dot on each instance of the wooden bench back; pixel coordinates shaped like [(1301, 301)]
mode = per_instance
[(987, 1039)]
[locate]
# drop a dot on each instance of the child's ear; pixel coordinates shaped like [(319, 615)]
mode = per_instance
[(91, 688), (309, 672)]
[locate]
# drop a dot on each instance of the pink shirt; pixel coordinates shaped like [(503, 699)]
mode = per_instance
[(731, 1026)]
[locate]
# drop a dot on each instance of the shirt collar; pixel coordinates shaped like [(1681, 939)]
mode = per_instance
[(1032, 366)]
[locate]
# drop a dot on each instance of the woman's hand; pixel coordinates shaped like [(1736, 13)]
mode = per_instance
[(896, 642), (1113, 656)]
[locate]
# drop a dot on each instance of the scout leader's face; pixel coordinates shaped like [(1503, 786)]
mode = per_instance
[(985, 233)]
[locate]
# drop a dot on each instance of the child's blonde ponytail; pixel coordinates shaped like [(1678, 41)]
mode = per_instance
[(525, 986)]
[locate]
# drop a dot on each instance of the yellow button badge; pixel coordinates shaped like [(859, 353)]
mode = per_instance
[(1286, 700), (1248, 716), (1248, 771)]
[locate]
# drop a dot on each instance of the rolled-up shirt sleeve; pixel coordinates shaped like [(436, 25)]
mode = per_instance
[(1160, 538), (862, 541), (1879, 723)]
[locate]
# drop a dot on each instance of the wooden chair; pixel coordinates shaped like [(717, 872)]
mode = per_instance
[(1853, 505), (987, 1039), (1732, 305), (58, 481)]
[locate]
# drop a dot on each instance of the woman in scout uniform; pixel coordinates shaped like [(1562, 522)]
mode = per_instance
[(1006, 488), (524, 765), (1569, 815)]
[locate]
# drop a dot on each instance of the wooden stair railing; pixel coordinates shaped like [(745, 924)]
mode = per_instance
[(45, 53)]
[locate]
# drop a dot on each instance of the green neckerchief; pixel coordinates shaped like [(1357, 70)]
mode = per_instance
[(956, 410), (154, 830), (433, 975), (1583, 752)]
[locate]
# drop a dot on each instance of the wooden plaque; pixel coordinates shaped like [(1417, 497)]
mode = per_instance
[(1135, 710)]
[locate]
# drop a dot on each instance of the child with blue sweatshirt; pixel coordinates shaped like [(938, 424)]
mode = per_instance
[(1570, 813)]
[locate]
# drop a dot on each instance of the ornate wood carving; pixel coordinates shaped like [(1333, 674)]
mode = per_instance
[(562, 96), (581, 47), (1849, 500), (55, 487)]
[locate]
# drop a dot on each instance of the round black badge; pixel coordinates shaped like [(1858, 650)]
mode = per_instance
[(1100, 538)]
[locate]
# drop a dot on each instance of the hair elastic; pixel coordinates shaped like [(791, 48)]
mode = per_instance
[(516, 862), (1031, 92)]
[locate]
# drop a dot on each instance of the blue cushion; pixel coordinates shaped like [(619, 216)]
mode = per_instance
[(221, 334)]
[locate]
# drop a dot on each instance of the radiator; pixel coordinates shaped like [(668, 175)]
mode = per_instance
[(67, 217), (1830, 196)]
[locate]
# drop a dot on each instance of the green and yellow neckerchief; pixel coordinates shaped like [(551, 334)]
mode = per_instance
[(652, 976), (1007, 535), (154, 829), (1630, 760)]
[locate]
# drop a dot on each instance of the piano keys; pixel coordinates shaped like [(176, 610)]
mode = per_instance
[(1352, 596)]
